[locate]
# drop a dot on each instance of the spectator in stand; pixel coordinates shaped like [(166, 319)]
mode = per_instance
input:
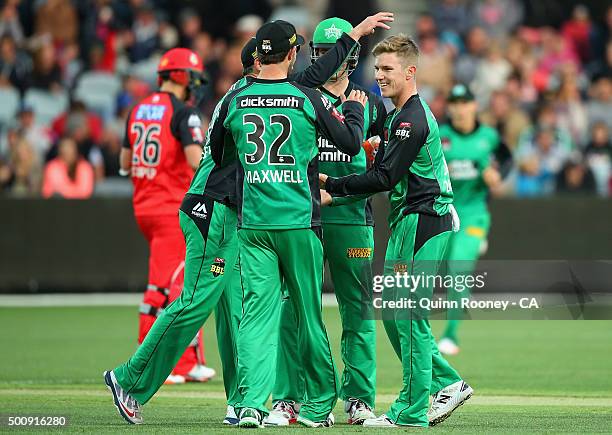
[(576, 178), (571, 111), (57, 18), (491, 73), (145, 34), (47, 74), (435, 60), (189, 27), (38, 136), (15, 65), (476, 46), (547, 120), (599, 107), (577, 32), (21, 176), (92, 121), (68, 175), (555, 52), (110, 148), (168, 35), (498, 17), (598, 156), (9, 21), (506, 117), (539, 163), (451, 16)]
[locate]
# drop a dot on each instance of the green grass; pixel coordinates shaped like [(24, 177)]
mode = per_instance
[(52, 361)]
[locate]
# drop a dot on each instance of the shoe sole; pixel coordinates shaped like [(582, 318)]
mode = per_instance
[(447, 414), (249, 423), (109, 384)]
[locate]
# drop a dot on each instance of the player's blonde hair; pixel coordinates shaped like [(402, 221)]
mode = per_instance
[(402, 45)]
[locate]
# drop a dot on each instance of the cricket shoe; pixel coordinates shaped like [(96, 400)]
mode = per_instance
[(447, 346), (250, 418), (328, 422), (284, 413), (128, 407), (231, 418), (175, 380), (357, 411), (200, 373), (445, 401)]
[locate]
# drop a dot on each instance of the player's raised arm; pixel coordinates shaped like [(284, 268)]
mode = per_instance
[(405, 140), (346, 46)]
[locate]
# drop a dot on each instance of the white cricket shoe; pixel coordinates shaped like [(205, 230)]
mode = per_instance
[(284, 413), (445, 401), (128, 407), (250, 418), (382, 421), (447, 346), (200, 373), (175, 380), (357, 411), (328, 422), (231, 418)]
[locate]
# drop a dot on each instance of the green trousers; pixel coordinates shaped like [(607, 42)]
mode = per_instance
[(462, 255), (348, 250), (267, 259), (211, 254), (417, 245)]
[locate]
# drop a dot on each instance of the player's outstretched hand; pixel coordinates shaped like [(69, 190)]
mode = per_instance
[(358, 96), (369, 25), (322, 180), (326, 198)]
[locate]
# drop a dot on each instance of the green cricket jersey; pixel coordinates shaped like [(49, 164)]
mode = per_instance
[(219, 182), (335, 163), (467, 156), (273, 125), (412, 168)]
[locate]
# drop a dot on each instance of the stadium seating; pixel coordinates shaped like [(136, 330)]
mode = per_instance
[(98, 91), (10, 104), (47, 106)]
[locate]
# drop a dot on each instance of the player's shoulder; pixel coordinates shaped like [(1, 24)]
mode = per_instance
[(491, 134)]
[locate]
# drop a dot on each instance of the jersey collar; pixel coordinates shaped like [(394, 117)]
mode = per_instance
[(476, 127), (269, 81)]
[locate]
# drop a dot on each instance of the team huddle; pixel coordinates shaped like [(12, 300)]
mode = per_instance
[(283, 183)]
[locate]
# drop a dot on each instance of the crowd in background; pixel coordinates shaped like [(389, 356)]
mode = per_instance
[(71, 70)]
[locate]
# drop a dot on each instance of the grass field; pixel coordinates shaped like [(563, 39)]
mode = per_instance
[(529, 376)]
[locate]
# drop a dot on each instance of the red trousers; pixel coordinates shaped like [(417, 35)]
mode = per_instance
[(165, 282)]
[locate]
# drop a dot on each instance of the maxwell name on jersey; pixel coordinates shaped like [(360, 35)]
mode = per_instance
[(273, 176), (329, 153)]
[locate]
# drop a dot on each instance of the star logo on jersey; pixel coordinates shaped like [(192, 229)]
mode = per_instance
[(218, 267), (333, 32), (403, 130), (266, 45)]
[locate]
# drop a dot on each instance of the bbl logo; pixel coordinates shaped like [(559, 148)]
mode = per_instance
[(403, 130), (218, 267)]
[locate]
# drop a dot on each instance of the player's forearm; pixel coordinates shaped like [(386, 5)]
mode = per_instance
[(338, 201), (327, 65), (350, 141)]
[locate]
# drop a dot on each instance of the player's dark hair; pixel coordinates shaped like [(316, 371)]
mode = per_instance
[(268, 59)]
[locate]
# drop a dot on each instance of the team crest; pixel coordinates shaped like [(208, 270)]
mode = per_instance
[(446, 143), (333, 32), (218, 267), (403, 130), (195, 127), (193, 59), (266, 45)]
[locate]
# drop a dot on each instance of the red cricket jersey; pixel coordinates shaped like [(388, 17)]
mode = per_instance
[(158, 128)]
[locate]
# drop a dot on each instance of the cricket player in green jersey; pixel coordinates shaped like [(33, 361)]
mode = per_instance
[(208, 220), (273, 124), (475, 157), (348, 245), (422, 219)]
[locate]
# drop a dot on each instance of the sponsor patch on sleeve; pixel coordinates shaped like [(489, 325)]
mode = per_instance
[(195, 128), (330, 107), (403, 130)]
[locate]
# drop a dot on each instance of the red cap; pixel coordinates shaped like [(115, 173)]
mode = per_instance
[(180, 59)]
